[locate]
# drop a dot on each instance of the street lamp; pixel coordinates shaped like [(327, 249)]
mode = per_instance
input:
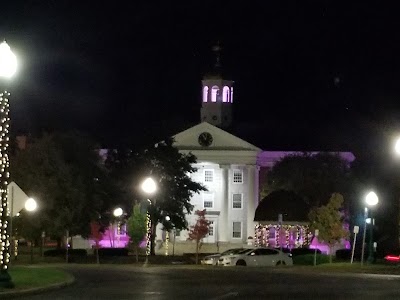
[(118, 212), (149, 186), (397, 146), (30, 205), (371, 200), (8, 66)]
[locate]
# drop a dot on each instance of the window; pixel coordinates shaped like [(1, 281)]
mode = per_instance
[(225, 94), (237, 230), (214, 93), (237, 176), (211, 229), (205, 94), (208, 175), (177, 232), (208, 200), (237, 201)]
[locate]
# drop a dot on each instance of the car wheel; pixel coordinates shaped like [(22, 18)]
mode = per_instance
[(241, 263), (280, 263)]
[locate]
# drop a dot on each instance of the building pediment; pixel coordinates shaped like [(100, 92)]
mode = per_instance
[(205, 136)]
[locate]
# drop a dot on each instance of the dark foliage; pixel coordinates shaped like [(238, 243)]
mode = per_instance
[(62, 252), (170, 169)]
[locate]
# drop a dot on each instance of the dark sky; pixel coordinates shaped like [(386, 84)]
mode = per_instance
[(311, 74)]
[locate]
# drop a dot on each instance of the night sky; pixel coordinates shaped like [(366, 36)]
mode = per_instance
[(308, 75)]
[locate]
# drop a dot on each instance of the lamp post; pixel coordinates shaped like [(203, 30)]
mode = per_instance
[(8, 66), (371, 200), (30, 205), (17, 200), (118, 212), (149, 187)]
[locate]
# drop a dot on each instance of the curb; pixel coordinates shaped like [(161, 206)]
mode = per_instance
[(33, 291)]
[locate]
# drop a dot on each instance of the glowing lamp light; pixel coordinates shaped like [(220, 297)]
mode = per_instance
[(8, 61), (397, 146), (30, 204), (118, 212), (371, 199), (149, 186)]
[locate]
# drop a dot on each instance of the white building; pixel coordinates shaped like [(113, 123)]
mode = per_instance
[(228, 166)]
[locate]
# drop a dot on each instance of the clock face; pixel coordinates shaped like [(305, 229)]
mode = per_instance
[(205, 139)]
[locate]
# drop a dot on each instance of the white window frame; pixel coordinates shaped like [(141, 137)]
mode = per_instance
[(204, 175), (210, 198), (241, 230), (233, 176), (241, 201)]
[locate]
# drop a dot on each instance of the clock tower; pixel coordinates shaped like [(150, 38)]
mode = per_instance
[(217, 96)]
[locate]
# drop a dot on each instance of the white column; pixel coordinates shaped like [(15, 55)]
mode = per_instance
[(252, 201), (223, 224)]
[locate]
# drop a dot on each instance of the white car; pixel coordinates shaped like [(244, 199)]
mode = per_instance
[(257, 257), (213, 258)]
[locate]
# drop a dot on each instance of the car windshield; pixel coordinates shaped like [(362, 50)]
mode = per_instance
[(232, 251)]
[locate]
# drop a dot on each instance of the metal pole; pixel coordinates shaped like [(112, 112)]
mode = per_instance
[(370, 258), (280, 221), (364, 233), (11, 225), (66, 245), (148, 228), (316, 233), (354, 246)]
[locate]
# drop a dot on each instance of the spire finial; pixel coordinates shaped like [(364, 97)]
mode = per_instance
[(217, 49)]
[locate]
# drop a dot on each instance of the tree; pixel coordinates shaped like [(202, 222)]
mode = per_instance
[(175, 188), (96, 234), (199, 231), (63, 172), (329, 220), (137, 228), (312, 177)]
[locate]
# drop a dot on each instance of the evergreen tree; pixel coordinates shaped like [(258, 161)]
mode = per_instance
[(137, 228), (329, 220)]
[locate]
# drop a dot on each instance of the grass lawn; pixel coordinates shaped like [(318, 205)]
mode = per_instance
[(26, 277)]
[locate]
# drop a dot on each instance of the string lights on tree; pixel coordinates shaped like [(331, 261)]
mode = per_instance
[(289, 235), (8, 67)]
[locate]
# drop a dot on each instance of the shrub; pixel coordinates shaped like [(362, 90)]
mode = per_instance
[(343, 254), (62, 252), (308, 259), (304, 251), (113, 251)]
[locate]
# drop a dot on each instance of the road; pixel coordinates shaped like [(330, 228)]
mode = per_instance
[(216, 283)]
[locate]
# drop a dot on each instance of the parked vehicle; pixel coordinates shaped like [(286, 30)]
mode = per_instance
[(392, 258), (257, 257), (213, 258)]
